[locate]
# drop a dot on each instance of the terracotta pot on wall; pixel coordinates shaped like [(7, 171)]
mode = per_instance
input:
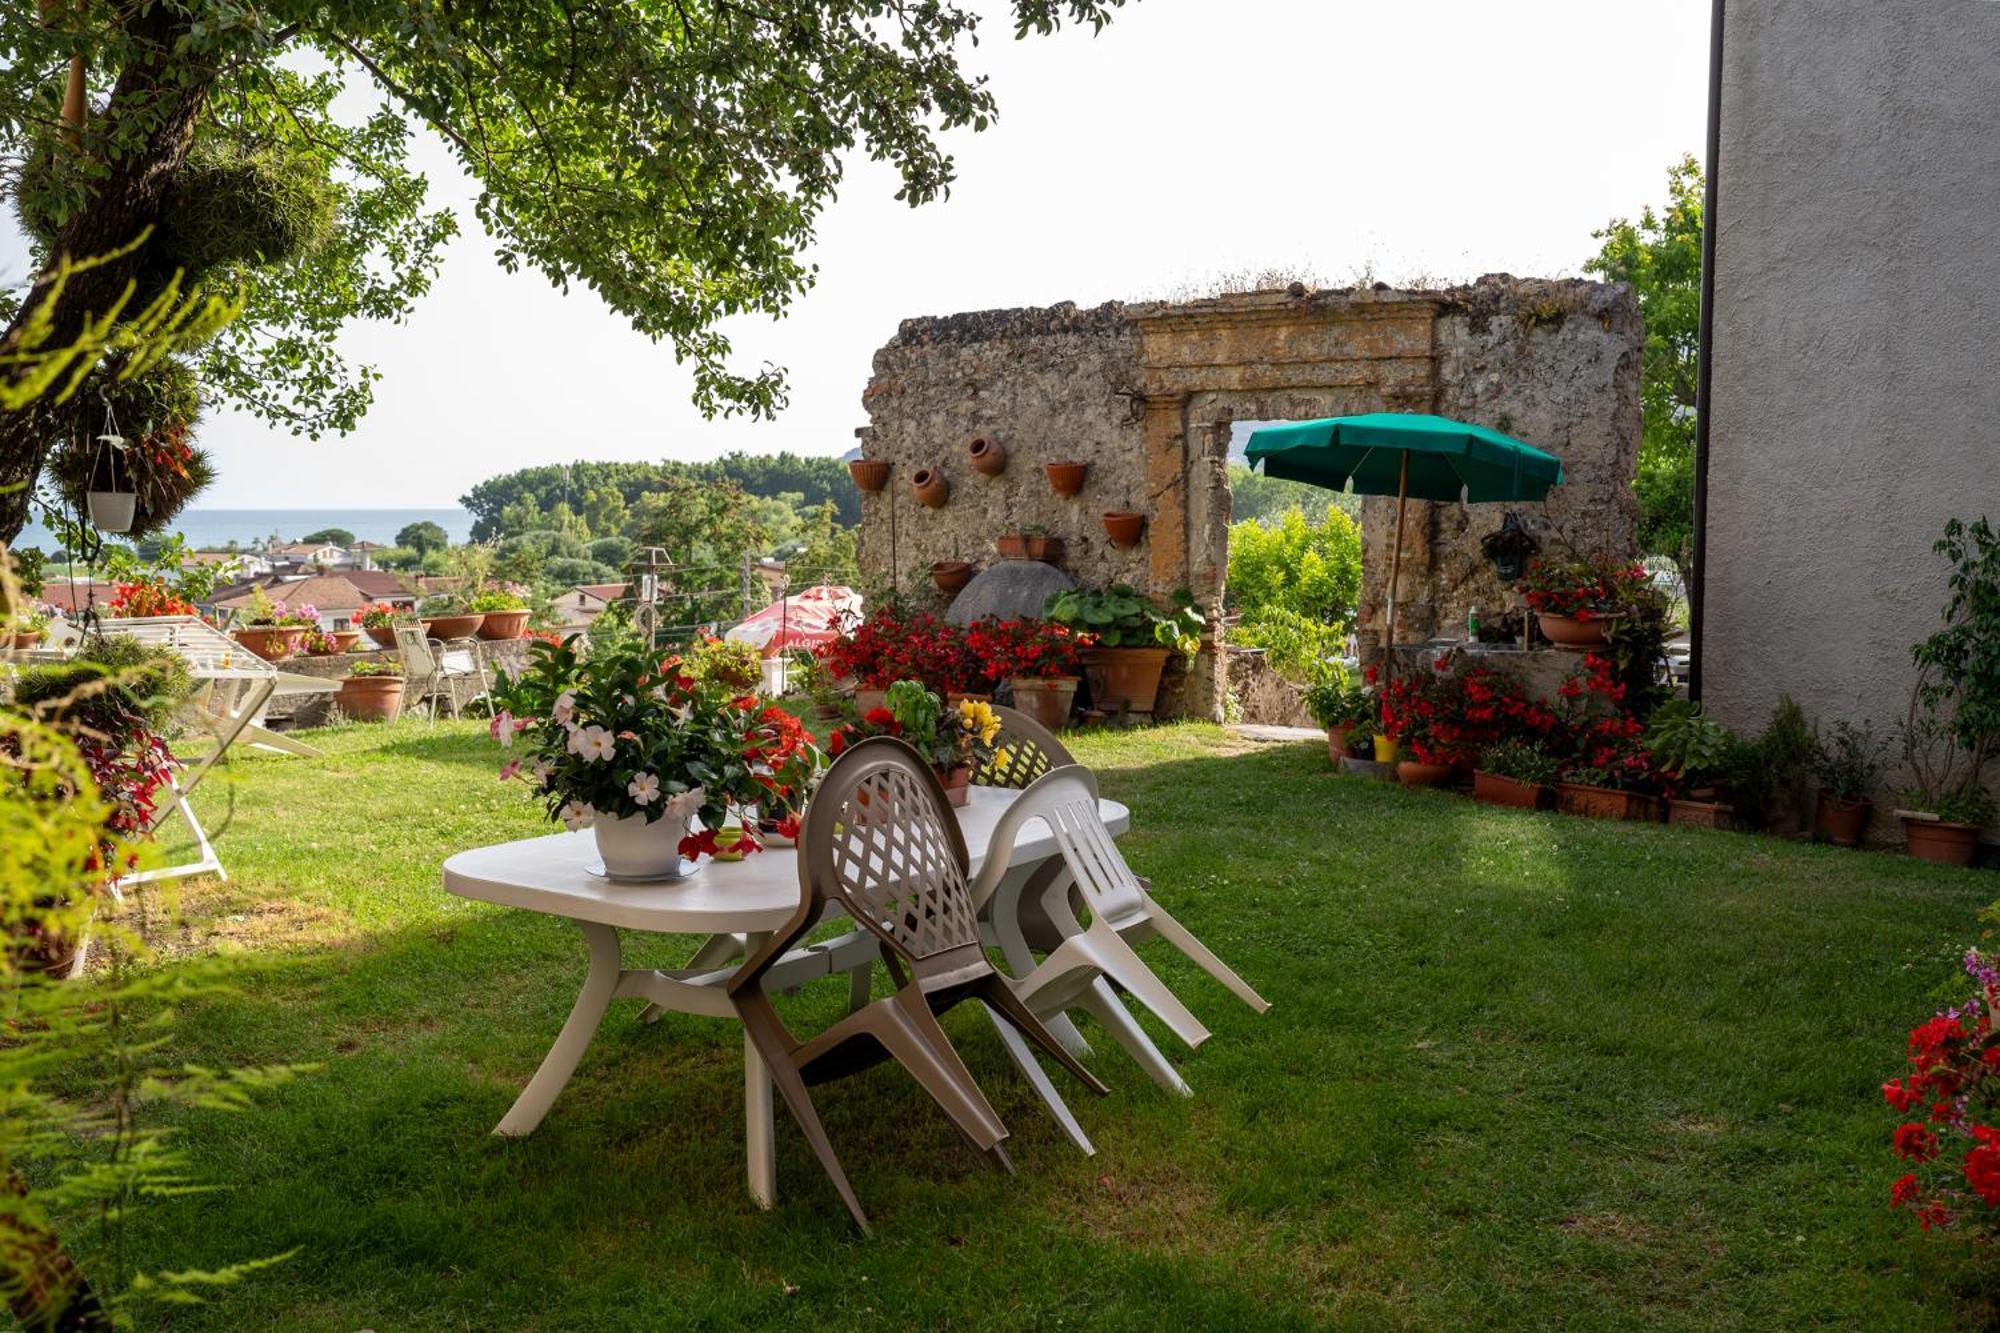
[(1045, 699), (1127, 678), (371, 698), (1413, 774), (1123, 527), (503, 624), (452, 627), (345, 639), (1945, 843), (1566, 632), (930, 487), (870, 474), (951, 575), (1066, 478), (989, 457), (1046, 549), (273, 645), (1492, 789), (1841, 820), (1012, 546), (384, 635)]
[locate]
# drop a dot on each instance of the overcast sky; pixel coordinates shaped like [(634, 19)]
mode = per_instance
[(1437, 139)]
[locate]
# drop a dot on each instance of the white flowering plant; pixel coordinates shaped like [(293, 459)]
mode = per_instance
[(630, 732)]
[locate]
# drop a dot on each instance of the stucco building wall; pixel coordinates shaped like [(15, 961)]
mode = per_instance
[(1146, 394), (1856, 353)]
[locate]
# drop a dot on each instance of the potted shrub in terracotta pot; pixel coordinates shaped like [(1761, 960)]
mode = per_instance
[(1066, 477), (1594, 791), (1344, 710), (378, 622), (371, 692), (1945, 805), (1039, 660), (1575, 601), (445, 616), (272, 630), (345, 639), (988, 455), (1516, 772), (870, 474), (638, 755), (30, 627), (1848, 763), (1132, 640), (503, 611), (1693, 752)]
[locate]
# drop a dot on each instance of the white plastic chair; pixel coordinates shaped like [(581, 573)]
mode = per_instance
[(430, 666), (1075, 971)]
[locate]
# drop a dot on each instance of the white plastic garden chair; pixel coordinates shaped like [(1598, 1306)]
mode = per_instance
[(431, 665)]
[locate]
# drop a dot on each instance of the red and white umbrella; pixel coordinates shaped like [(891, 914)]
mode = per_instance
[(806, 619)]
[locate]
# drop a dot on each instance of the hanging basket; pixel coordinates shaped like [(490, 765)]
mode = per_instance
[(111, 511)]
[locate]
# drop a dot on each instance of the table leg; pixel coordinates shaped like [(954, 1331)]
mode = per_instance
[(760, 1154), (581, 1026)]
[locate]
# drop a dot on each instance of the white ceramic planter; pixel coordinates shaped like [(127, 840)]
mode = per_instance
[(111, 511), (635, 849)]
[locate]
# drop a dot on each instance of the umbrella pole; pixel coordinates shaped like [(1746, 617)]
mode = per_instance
[(1396, 565)]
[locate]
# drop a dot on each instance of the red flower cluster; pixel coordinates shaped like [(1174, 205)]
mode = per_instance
[(149, 597), (1581, 590), (1448, 715), (1606, 735), (892, 645), (1952, 1092), (875, 722), (1040, 649)]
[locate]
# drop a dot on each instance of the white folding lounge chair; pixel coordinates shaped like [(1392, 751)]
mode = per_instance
[(431, 665)]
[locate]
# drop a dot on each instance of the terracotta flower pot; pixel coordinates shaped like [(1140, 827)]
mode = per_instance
[(870, 474), (957, 784), (1842, 821), (1574, 798), (989, 456), (1492, 789), (1127, 678), (1700, 814), (26, 639), (951, 575), (1123, 527), (452, 627), (271, 642), (1049, 550), (503, 624), (371, 698), (1413, 774), (1066, 478), (1568, 632), (1012, 546), (345, 639), (1336, 742), (930, 487), (1945, 843), (1047, 700), (383, 635)]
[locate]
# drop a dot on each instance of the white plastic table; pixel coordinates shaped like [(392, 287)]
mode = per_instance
[(733, 906)]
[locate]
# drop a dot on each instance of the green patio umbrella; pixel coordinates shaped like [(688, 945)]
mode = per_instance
[(1405, 454)]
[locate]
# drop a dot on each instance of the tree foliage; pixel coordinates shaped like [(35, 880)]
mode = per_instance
[(334, 536), (1659, 255), (1294, 584), (1256, 498), (596, 498), (423, 537)]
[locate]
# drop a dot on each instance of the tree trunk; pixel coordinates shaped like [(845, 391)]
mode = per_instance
[(166, 95), (46, 1290)]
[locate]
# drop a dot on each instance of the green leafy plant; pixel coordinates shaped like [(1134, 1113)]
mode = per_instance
[(367, 669), (1848, 760), (1521, 760), (737, 665), (1335, 703), (497, 599), (1122, 617), (1689, 746), (447, 603)]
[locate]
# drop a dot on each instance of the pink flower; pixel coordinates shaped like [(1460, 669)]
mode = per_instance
[(512, 769), (502, 728)]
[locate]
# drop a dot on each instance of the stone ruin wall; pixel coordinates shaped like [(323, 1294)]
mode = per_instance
[(1147, 393)]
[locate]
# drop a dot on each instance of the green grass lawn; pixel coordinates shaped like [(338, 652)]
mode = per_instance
[(1520, 1070)]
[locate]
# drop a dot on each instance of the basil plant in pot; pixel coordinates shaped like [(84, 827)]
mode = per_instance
[(1134, 638), (1952, 731), (1693, 752)]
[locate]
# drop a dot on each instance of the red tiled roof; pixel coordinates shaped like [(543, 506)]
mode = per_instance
[(324, 592), (379, 584), (605, 592)]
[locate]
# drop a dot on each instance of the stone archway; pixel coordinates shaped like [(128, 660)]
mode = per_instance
[(1147, 393)]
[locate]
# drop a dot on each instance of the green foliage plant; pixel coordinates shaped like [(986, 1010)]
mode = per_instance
[(1689, 746), (726, 662), (1122, 617), (369, 668), (1333, 702), (1848, 760), (1521, 760)]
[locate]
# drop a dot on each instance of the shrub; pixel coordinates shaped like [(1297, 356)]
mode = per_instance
[(1848, 762), (1335, 703), (1297, 648), (1690, 747), (1293, 585), (1521, 760), (736, 665), (1122, 617)]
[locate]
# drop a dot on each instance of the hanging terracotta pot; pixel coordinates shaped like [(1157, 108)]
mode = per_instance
[(1066, 478), (951, 575), (1123, 527), (930, 487), (988, 456), (870, 474)]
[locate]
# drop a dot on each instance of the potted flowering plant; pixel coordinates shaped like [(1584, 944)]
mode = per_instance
[(952, 738), (272, 630), (1693, 752), (1341, 708), (1574, 599), (1949, 1105), (503, 610), (1420, 713), (1133, 640), (633, 746), (31, 626), (371, 692), (1517, 772), (893, 644), (379, 622), (146, 597), (1040, 661), (447, 616)]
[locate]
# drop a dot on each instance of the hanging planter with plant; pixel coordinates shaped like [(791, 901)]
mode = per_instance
[(870, 474), (989, 456), (1510, 547), (930, 487), (1066, 477)]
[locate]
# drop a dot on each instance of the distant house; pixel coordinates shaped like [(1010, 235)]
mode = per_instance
[(381, 586), (334, 596), (585, 602), (361, 555), (325, 555), (70, 596), (232, 564)]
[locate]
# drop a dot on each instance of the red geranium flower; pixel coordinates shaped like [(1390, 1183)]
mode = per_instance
[(1915, 1142)]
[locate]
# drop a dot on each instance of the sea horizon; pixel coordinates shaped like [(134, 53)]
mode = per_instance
[(204, 526)]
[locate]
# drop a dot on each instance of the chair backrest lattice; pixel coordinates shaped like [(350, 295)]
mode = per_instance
[(1025, 751), (881, 841), (1065, 799), (415, 650)]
